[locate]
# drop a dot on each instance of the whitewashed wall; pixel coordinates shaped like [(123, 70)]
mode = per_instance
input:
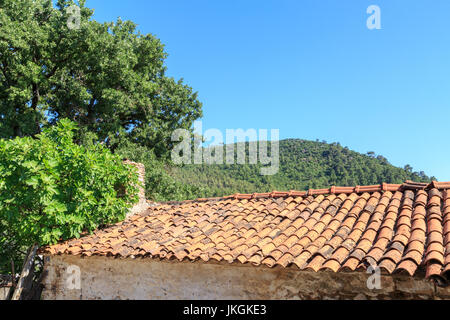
[(109, 278)]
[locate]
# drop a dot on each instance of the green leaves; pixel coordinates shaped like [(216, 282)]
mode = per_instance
[(33, 181), (52, 189), (107, 77)]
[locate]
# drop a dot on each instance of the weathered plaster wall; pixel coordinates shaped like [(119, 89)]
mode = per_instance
[(5, 286), (4, 292), (108, 278)]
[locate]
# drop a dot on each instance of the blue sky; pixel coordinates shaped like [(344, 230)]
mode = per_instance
[(313, 69)]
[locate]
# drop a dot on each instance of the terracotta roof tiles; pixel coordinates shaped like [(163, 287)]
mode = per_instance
[(400, 228)]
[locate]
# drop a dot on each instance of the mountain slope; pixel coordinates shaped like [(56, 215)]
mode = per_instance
[(303, 165)]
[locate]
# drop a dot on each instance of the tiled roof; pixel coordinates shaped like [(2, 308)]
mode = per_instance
[(400, 228)]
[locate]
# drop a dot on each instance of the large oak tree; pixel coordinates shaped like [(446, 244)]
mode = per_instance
[(107, 77)]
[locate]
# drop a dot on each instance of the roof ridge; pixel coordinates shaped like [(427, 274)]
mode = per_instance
[(407, 185)]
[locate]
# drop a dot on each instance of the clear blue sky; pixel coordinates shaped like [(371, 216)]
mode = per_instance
[(312, 69)]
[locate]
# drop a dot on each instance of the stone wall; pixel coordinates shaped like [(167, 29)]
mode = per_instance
[(5, 286), (109, 278), (142, 204)]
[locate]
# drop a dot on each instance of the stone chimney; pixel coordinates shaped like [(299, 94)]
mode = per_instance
[(142, 204)]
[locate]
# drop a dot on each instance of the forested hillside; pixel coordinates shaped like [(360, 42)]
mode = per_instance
[(303, 165)]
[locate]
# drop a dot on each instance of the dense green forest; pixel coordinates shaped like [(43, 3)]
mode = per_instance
[(303, 165)]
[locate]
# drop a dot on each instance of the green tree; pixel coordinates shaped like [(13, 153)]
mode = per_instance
[(57, 62), (52, 189), (408, 168)]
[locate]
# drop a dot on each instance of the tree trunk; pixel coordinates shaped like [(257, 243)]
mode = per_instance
[(26, 277)]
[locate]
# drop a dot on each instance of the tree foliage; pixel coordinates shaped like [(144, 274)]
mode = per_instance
[(160, 185), (303, 165), (107, 77), (52, 189)]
